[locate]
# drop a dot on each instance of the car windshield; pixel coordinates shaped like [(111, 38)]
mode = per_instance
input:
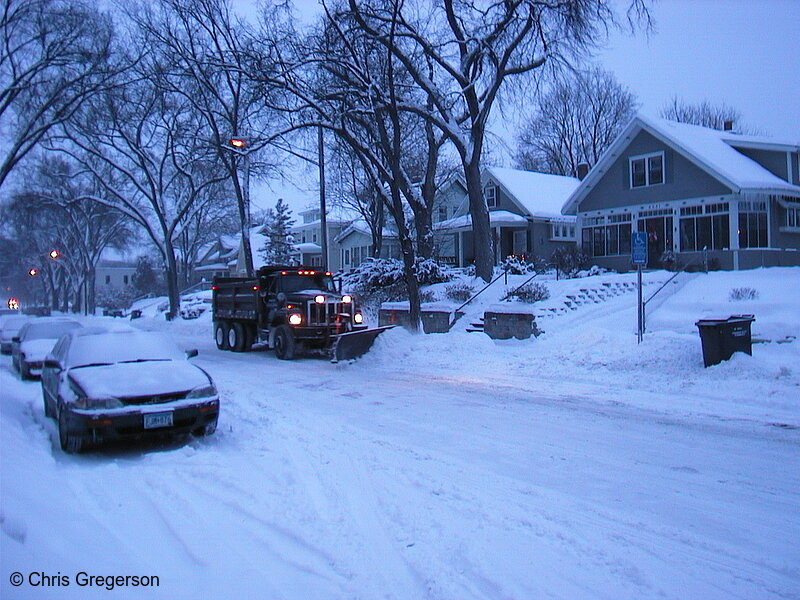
[(47, 330), (120, 346), (296, 283)]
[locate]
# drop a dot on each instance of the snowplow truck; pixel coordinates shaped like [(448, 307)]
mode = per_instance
[(292, 309)]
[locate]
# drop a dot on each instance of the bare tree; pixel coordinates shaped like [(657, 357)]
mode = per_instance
[(53, 214), (146, 147), (55, 54), (461, 53), (208, 47), (574, 122), (703, 113)]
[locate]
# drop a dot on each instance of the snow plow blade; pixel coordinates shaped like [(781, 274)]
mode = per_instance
[(352, 345)]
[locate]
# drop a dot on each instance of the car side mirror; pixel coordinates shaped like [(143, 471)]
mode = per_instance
[(51, 363), (192, 353), (15, 339)]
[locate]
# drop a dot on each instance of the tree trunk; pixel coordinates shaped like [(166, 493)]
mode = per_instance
[(481, 231), (171, 275)]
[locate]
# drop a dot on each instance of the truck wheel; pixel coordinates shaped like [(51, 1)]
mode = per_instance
[(236, 337), (284, 343), (221, 335), (249, 337)]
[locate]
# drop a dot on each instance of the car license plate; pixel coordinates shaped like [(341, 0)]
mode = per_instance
[(156, 420)]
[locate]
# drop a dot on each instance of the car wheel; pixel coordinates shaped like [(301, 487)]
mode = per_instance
[(24, 370), (48, 412), (221, 335), (237, 337), (70, 443), (284, 343)]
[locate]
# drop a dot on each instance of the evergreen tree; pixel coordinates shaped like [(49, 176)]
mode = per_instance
[(279, 242)]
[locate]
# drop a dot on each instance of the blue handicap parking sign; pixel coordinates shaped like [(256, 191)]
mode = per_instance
[(639, 248)]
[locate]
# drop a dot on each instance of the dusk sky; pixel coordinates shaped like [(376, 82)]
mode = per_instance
[(743, 53)]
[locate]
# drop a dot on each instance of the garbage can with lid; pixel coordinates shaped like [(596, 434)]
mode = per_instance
[(722, 337)]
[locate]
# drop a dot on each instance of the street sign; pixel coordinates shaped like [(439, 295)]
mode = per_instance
[(639, 248)]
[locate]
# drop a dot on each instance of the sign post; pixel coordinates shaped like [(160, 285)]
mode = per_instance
[(639, 258)]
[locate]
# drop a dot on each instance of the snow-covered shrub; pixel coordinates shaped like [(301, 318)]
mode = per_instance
[(111, 297), (743, 293), (470, 271), (568, 260), (668, 260), (515, 265), (591, 272), (427, 296), (529, 293), (459, 292), (379, 273)]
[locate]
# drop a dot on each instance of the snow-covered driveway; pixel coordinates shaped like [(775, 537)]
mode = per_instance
[(372, 480)]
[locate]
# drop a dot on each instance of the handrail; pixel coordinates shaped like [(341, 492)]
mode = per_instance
[(480, 292), (678, 272)]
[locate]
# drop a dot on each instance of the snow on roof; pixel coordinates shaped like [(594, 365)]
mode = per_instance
[(308, 248), (541, 194), (361, 226), (497, 218), (715, 150)]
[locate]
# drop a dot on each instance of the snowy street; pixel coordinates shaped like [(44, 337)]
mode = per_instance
[(503, 476)]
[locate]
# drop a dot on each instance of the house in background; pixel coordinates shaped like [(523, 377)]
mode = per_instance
[(700, 194), (308, 235), (115, 269), (524, 214), (355, 243), (217, 258)]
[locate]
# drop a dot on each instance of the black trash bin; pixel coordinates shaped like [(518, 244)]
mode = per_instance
[(722, 337)]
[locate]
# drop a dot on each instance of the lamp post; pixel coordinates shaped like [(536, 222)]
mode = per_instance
[(243, 148)]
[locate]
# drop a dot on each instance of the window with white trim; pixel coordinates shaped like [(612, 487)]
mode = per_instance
[(443, 213), (753, 224), (490, 195), (646, 169), (793, 217), (562, 231), (704, 227)]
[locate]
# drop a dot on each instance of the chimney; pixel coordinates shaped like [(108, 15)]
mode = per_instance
[(727, 125), (582, 170)]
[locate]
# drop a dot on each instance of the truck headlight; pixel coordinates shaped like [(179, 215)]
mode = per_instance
[(295, 319), (346, 299), (319, 299), (358, 318)]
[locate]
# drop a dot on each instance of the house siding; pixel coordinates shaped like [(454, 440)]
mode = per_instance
[(682, 179), (773, 161)]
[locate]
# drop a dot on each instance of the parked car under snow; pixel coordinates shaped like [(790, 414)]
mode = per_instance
[(113, 385), (35, 340), (9, 328)]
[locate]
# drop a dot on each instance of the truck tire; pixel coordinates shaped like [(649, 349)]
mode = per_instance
[(236, 337), (249, 337), (284, 345), (221, 335)]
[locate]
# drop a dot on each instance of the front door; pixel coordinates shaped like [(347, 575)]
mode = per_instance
[(659, 239)]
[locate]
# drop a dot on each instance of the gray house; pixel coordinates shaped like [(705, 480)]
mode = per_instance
[(355, 242), (700, 194), (524, 214)]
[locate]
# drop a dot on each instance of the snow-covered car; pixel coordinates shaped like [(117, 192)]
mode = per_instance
[(113, 385), (9, 327), (35, 340)]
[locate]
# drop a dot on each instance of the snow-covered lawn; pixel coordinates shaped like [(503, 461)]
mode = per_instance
[(574, 465)]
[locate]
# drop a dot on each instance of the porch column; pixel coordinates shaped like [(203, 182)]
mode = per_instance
[(733, 231), (460, 242)]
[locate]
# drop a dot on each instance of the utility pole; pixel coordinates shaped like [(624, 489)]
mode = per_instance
[(322, 208)]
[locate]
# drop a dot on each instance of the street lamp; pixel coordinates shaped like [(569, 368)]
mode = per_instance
[(242, 147)]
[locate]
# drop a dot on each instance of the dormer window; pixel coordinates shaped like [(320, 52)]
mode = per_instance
[(490, 195), (647, 169)]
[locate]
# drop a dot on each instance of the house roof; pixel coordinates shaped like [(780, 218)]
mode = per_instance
[(361, 226), (308, 248), (497, 218), (712, 150), (537, 194)]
